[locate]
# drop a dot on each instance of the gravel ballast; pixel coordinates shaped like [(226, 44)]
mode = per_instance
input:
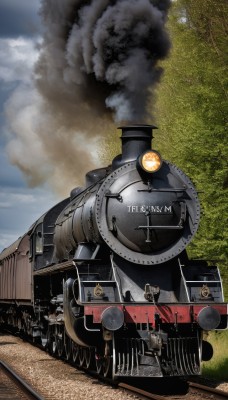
[(53, 378), (56, 379)]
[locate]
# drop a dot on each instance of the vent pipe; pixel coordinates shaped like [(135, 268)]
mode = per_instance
[(136, 139)]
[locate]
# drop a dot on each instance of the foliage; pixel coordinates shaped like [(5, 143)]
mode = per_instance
[(217, 367), (208, 18), (110, 147)]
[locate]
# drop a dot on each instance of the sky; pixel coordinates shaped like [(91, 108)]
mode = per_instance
[(20, 33)]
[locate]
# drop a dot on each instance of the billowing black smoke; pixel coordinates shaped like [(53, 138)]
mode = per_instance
[(103, 54), (98, 60)]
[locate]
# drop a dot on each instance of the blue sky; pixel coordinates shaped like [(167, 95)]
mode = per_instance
[(20, 32)]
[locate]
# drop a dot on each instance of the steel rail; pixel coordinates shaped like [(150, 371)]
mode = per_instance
[(215, 394), (219, 394), (27, 389), (141, 392)]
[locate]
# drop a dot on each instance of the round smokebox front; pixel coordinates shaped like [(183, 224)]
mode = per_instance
[(139, 225)]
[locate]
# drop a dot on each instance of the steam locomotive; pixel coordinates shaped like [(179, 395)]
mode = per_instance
[(103, 277)]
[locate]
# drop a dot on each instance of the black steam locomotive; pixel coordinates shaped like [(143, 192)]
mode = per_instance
[(103, 278)]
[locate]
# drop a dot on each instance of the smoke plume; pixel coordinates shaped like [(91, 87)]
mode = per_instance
[(102, 55), (97, 65)]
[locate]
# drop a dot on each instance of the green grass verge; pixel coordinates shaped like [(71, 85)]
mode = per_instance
[(217, 367)]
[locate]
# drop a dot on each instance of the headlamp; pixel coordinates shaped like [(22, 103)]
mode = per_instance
[(150, 161)]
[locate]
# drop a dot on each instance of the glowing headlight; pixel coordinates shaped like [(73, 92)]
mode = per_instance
[(150, 161)]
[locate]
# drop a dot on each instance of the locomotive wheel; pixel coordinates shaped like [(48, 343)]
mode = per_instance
[(36, 339), (107, 361), (59, 342), (81, 356), (67, 346), (107, 366), (51, 342), (99, 362), (75, 352), (88, 357), (104, 362), (44, 339), (19, 324), (53, 348)]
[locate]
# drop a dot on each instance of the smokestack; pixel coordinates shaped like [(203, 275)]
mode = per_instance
[(136, 139)]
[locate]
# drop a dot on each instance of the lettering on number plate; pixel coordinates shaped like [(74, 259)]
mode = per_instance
[(155, 209)]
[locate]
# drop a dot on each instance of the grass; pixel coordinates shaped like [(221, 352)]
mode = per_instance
[(217, 367)]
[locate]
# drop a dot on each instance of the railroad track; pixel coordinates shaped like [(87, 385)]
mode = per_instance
[(13, 386), (146, 389), (196, 392), (213, 394)]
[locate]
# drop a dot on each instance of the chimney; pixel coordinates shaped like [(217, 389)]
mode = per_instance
[(136, 139)]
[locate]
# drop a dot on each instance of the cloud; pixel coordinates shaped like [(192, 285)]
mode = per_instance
[(7, 201), (6, 238), (9, 175), (88, 67), (20, 206), (38, 142), (45, 146), (17, 59), (19, 209), (19, 17)]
